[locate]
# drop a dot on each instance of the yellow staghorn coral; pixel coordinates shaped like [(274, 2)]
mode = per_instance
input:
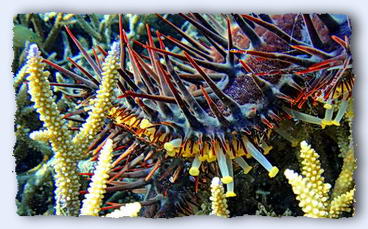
[(313, 193), (312, 171), (67, 185), (218, 199), (102, 103), (309, 200), (128, 210), (41, 135), (68, 151), (92, 202)]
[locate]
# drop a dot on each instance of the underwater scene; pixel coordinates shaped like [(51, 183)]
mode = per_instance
[(168, 115)]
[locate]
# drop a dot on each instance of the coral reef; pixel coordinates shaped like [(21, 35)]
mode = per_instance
[(178, 106)]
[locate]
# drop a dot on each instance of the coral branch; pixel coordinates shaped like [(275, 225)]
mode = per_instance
[(102, 103), (92, 203), (130, 210), (67, 185), (311, 191), (218, 199)]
